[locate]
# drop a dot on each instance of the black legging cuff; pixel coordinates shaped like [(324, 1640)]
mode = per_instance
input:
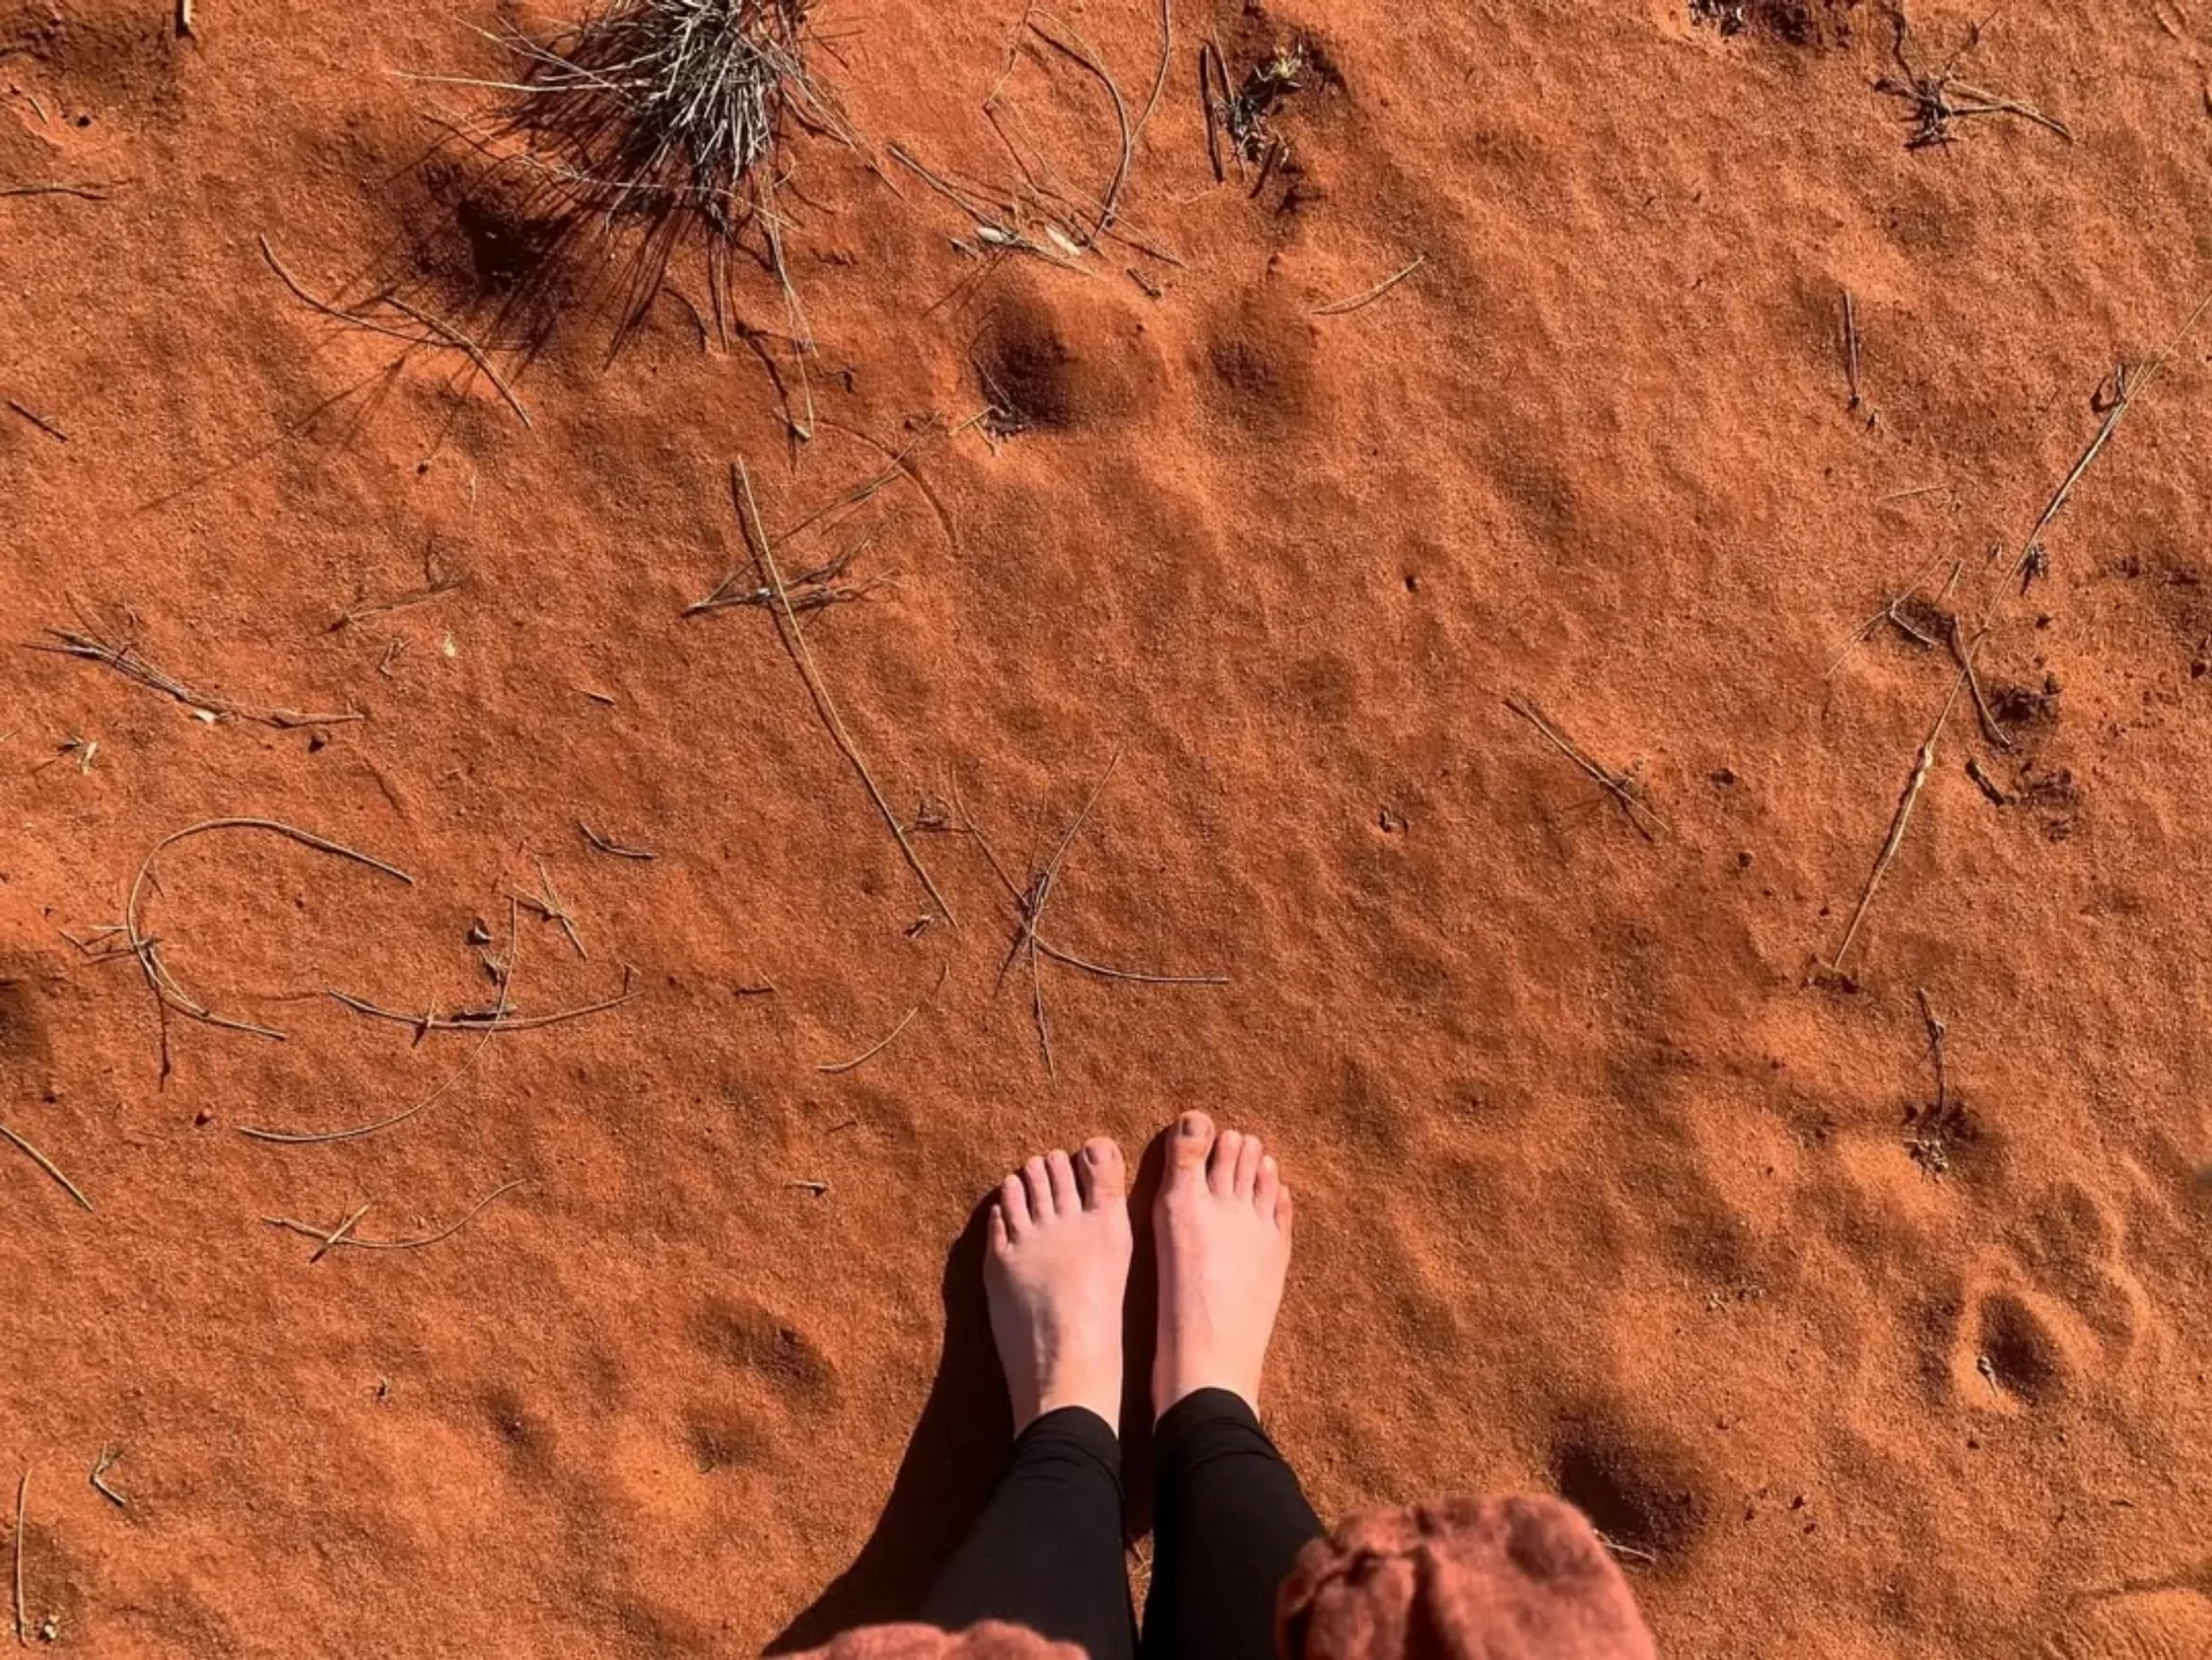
[(1046, 1552), (1229, 1521)]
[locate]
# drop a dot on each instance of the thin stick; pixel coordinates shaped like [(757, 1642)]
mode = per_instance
[(352, 1242), (1337, 308), (888, 1037), (553, 909), (1089, 59), (480, 1022), (795, 640), (443, 333), (86, 192), (337, 1234), (615, 848), (39, 422), (1937, 1034), (1618, 785), (106, 1462), (325, 1138), (2135, 387), (49, 1166), (1141, 978), (1850, 350), (1205, 107), (1899, 820), (125, 661), (1167, 56), (477, 354), (168, 994), (1964, 654), (23, 1501)]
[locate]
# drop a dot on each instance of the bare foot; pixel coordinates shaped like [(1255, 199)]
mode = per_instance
[(1057, 1265), (1222, 1220)]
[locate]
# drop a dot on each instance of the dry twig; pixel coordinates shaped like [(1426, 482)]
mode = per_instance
[(125, 660), (1029, 902), (343, 1235), (794, 637), (1337, 308), (429, 328), (890, 1037), (1938, 98), (613, 847), (168, 994), (46, 1164), (1622, 787), (359, 1132), (106, 1462)]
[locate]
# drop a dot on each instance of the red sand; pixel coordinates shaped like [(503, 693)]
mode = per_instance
[(1601, 1189)]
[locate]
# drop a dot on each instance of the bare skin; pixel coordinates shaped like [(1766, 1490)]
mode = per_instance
[(1058, 1263), (1222, 1225), (1054, 1275)]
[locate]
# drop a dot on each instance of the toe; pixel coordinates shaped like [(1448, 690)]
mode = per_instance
[(1248, 1166), (1188, 1147), (996, 1228), (1221, 1169), (1066, 1201), (1282, 1209), (1013, 1206), (1105, 1178), (1267, 1187), (1038, 1180)]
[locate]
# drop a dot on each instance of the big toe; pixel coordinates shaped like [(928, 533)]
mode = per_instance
[(1189, 1145), (1105, 1174)]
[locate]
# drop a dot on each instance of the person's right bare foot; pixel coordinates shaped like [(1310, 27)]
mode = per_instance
[(1222, 1225)]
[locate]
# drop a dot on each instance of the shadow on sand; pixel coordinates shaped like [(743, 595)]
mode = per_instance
[(959, 1445)]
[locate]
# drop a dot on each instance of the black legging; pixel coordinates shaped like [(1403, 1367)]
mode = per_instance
[(1046, 1552)]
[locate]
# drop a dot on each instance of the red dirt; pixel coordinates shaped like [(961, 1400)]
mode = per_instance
[(1601, 1188)]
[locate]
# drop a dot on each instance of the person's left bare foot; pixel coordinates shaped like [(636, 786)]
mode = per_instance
[(1054, 1275)]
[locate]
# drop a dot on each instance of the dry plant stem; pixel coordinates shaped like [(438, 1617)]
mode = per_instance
[(1850, 350), (352, 1242), (794, 637), (1206, 108), (83, 192), (126, 662), (22, 1503), (1616, 784), (1898, 821), (2133, 388), (1938, 1032), (1964, 654), (168, 994), (337, 1234), (432, 1023), (1337, 308), (1081, 51), (613, 847), (325, 1138), (46, 1164), (2137, 384), (39, 422), (106, 1462), (890, 1037), (1889, 614), (438, 332), (1167, 58)]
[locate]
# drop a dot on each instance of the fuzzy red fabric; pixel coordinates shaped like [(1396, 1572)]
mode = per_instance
[(1489, 1579)]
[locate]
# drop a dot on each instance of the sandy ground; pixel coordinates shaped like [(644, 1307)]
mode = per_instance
[(1606, 1184)]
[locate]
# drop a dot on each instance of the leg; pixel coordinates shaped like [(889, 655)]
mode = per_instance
[(1046, 1552), (1230, 1519)]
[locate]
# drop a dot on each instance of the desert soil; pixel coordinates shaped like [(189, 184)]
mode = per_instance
[(1611, 1182)]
